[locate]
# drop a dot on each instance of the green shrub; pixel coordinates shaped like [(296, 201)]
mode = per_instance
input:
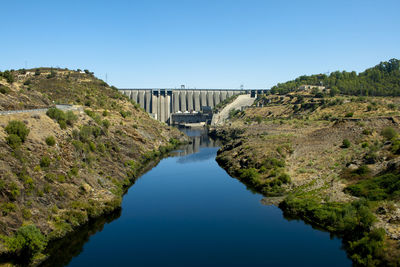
[(28, 240), (7, 208), (13, 191), (248, 174), (395, 146), (346, 143), (73, 171), (258, 119), (56, 114), (101, 148), (352, 219), (367, 250), (51, 75), (125, 114), (70, 118), (45, 162), (105, 113), (62, 118), (4, 89), (13, 141), (61, 178), (371, 157), (284, 178), (26, 214), (92, 146), (382, 187), (174, 142), (362, 170), (78, 145), (63, 124), (106, 123), (18, 128), (272, 163), (50, 141), (367, 132), (2, 185), (96, 131), (85, 133), (28, 182), (90, 113), (389, 133), (51, 177), (348, 115)]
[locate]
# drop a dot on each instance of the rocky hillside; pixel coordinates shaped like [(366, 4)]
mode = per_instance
[(331, 161), (61, 168)]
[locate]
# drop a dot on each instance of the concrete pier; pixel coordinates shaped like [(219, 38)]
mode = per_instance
[(196, 98), (189, 99), (210, 99), (182, 95)]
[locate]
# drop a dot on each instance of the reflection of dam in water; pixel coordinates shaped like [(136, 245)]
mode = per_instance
[(197, 142)]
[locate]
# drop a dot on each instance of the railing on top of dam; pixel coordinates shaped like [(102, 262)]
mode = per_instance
[(259, 90)]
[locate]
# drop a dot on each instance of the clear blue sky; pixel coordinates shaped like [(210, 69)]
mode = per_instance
[(200, 43)]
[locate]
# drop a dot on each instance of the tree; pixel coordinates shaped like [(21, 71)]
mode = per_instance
[(17, 128), (334, 91), (8, 76), (50, 141), (389, 133), (28, 240), (346, 143)]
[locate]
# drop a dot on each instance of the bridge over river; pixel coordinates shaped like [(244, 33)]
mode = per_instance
[(161, 103)]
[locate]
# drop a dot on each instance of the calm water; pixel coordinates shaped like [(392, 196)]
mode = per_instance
[(188, 212)]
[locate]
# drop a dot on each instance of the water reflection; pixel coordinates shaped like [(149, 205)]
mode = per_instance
[(199, 139), (63, 250)]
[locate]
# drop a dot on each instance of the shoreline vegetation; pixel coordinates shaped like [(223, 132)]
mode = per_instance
[(329, 158), (61, 169)]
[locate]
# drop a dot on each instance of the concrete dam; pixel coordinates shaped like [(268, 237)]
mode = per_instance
[(161, 103)]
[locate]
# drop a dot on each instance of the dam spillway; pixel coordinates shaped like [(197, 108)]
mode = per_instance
[(161, 103)]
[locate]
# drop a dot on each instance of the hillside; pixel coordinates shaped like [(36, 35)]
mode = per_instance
[(331, 161), (62, 168), (380, 80)]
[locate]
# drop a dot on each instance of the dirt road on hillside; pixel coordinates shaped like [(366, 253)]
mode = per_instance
[(238, 103)]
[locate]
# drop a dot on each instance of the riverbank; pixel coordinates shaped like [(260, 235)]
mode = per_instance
[(301, 155), (60, 169)]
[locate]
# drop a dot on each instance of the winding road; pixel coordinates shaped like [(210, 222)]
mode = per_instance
[(41, 110)]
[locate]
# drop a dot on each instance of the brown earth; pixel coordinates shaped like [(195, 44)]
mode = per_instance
[(309, 141)]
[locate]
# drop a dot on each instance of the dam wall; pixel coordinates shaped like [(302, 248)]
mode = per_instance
[(161, 103)]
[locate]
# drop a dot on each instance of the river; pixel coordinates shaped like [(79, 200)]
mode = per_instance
[(187, 211)]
